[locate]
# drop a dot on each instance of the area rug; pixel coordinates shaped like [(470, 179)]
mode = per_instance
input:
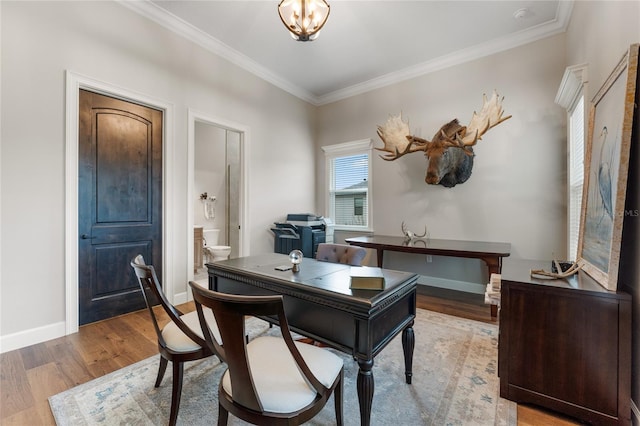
[(455, 382)]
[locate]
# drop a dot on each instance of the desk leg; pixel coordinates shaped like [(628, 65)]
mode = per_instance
[(365, 390), (408, 343), (380, 254)]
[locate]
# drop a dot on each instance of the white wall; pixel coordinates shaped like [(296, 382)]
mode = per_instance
[(516, 191), (107, 42)]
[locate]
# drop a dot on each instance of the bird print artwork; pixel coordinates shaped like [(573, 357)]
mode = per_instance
[(601, 201), (607, 181), (604, 177)]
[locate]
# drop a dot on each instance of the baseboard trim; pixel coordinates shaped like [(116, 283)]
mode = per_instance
[(180, 298), (37, 335), (33, 336)]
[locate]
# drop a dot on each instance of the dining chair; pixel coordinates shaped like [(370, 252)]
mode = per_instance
[(341, 253), (271, 379), (180, 340)]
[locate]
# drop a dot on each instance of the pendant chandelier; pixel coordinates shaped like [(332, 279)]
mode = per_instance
[(304, 18)]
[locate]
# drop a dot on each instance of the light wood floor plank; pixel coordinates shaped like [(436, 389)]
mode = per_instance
[(35, 356), (46, 380), (69, 361), (30, 416), (15, 391)]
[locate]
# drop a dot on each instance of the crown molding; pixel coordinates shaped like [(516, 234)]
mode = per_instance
[(177, 25), (153, 12), (556, 26)]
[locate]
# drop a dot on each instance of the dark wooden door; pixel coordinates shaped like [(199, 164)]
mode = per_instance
[(120, 202)]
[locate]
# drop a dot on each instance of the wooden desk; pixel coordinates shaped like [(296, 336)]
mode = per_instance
[(320, 305), (490, 253)]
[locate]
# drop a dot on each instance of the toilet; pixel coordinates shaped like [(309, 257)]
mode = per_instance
[(212, 250)]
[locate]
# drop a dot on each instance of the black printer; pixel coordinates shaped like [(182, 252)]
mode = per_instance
[(301, 231)]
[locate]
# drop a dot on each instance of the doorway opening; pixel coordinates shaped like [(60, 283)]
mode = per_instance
[(217, 195)]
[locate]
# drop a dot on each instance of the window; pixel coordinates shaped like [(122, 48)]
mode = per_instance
[(358, 206), (575, 174), (349, 184), (570, 96)]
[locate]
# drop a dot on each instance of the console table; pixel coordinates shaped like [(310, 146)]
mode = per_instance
[(490, 253), (565, 344)]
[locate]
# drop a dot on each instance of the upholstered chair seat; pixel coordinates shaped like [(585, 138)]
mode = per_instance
[(178, 341), (280, 386), (341, 253)]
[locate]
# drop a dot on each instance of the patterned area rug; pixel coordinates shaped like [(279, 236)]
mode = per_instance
[(455, 382)]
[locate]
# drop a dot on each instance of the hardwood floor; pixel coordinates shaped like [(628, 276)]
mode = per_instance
[(30, 375)]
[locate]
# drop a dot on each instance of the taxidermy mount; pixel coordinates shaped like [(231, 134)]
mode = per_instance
[(450, 152)]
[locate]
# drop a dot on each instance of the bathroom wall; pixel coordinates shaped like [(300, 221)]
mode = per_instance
[(210, 176)]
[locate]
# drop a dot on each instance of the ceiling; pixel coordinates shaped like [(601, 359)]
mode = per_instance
[(364, 44)]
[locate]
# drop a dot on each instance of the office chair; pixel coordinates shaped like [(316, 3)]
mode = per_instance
[(179, 340), (276, 381)]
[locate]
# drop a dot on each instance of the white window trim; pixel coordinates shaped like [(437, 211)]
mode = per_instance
[(343, 150), (572, 88)]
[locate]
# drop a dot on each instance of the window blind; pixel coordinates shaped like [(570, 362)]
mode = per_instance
[(576, 173), (350, 190)]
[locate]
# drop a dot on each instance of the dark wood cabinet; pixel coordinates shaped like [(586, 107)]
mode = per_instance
[(565, 344)]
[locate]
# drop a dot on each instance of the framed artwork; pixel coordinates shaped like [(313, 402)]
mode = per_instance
[(606, 169)]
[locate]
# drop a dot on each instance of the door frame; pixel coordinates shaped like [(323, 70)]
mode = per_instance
[(194, 116), (75, 82)]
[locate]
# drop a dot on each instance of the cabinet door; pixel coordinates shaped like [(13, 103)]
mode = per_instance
[(564, 346)]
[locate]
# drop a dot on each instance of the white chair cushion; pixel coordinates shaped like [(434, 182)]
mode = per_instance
[(280, 386), (178, 341)]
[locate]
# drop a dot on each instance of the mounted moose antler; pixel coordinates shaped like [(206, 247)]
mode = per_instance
[(447, 167)]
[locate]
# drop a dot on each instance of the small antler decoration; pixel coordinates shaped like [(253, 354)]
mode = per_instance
[(542, 274), (410, 235)]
